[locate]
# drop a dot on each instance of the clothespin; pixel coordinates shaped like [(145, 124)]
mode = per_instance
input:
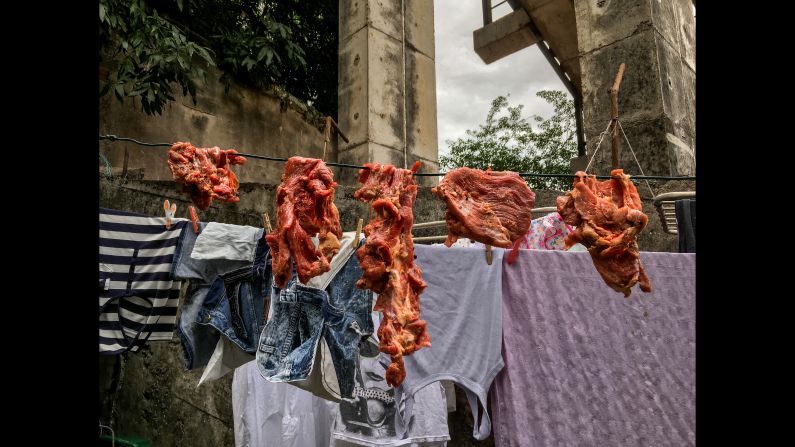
[(358, 231), (170, 209), (194, 218), (266, 223), (489, 255), (326, 135)]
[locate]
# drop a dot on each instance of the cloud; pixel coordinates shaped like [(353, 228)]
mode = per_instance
[(465, 85)]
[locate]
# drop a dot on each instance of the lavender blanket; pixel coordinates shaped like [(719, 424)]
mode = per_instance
[(585, 366)]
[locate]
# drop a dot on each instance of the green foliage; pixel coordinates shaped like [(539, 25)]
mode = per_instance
[(508, 142), (255, 43), (151, 54)]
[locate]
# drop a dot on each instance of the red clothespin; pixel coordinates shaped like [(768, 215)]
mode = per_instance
[(514, 251), (170, 209), (194, 218)]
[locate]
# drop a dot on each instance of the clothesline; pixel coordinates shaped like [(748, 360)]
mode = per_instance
[(419, 174)]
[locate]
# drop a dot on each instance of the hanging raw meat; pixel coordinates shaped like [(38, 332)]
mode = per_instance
[(305, 208), (608, 216), (492, 207), (387, 261), (205, 173)]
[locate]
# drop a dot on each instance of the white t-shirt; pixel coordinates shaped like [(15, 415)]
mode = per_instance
[(276, 414), (369, 419)]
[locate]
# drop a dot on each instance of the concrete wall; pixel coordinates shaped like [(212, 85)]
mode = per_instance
[(149, 394), (656, 102), (261, 122)]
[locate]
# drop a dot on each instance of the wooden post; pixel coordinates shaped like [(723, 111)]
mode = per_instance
[(326, 135), (328, 126), (337, 128), (614, 112)]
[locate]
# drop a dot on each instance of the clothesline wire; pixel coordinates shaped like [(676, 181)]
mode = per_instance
[(601, 137), (633, 154), (418, 174)]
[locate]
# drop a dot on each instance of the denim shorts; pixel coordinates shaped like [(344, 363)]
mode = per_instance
[(235, 301), (223, 297), (304, 316)]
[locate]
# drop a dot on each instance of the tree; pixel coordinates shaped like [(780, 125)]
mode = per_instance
[(290, 44), (508, 142)]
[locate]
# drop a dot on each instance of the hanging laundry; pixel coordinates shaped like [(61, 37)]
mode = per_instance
[(303, 316), (462, 242), (582, 368), (462, 302), (272, 414), (138, 298), (276, 415), (369, 418), (685, 210), (322, 380), (226, 241), (205, 173), (226, 357), (305, 201), (224, 296), (548, 232)]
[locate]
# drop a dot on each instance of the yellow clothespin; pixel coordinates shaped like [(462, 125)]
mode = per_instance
[(170, 209), (489, 255), (266, 223), (358, 232)]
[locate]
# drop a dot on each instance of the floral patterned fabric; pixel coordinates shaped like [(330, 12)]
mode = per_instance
[(546, 233)]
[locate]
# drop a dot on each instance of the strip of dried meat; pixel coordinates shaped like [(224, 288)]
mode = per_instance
[(305, 208), (205, 173), (387, 261), (608, 216), (492, 207)]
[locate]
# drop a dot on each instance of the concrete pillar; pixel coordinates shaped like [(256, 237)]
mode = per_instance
[(656, 102), (387, 84)]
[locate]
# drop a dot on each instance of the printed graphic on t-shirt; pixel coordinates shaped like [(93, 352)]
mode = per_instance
[(368, 418), (371, 412)]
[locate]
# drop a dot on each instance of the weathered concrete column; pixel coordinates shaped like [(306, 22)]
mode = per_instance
[(656, 102), (387, 84)]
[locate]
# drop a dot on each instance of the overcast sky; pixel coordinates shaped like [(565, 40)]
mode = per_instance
[(465, 85)]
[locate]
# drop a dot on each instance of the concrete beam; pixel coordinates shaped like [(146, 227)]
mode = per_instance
[(506, 36), (387, 84), (556, 22)]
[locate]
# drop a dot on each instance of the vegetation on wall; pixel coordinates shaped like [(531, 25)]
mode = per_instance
[(155, 45)]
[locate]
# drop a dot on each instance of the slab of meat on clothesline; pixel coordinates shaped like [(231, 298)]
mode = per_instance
[(608, 215), (387, 261), (491, 207), (305, 207), (205, 173)]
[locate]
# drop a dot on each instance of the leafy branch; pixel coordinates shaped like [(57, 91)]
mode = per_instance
[(508, 142)]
